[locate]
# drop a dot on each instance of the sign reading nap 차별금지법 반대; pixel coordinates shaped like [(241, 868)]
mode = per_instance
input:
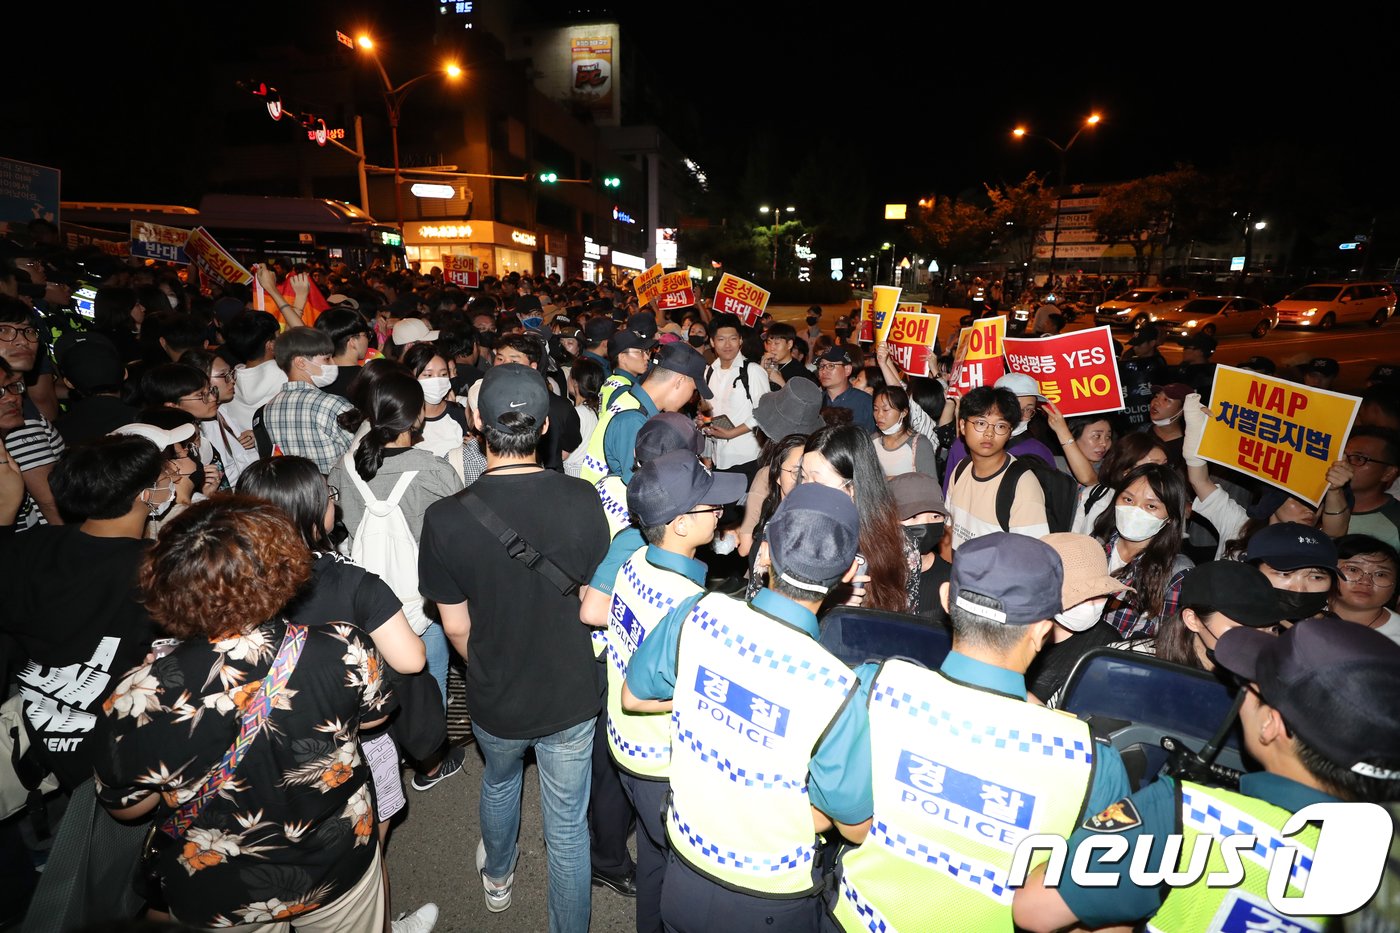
[(1076, 371), (1285, 434)]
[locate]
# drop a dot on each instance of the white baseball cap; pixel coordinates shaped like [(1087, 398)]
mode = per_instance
[(158, 436), (412, 330), (1019, 384)]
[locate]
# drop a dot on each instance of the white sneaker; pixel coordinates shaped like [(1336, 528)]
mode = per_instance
[(497, 895), (421, 920)]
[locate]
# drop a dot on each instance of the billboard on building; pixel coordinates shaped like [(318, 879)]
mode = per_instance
[(578, 66)]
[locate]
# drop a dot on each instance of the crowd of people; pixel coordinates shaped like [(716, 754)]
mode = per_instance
[(249, 535)]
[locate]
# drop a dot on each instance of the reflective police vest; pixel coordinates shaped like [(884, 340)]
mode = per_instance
[(1212, 812), (753, 697), (612, 492), (595, 461), (960, 776), (643, 595), (613, 387)]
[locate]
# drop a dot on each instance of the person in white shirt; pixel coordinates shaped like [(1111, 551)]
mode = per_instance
[(737, 385)]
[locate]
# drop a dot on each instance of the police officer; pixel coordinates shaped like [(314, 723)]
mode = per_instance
[(766, 745), (962, 767), (629, 352), (1322, 715), (1196, 369), (677, 502)]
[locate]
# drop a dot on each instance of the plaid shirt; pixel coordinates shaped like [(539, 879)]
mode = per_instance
[(1122, 616), (300, 420)]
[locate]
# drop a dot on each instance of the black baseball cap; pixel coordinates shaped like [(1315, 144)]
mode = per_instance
[(814, 534), (1260, 364), (644, 324), (1145, 333), (628, 339), (1323, 366), (676, 482), (1239, 590), (90, 361), (1007, 578), (682, 358), (598, 329), (836, 355), (1336, 684), (1291, 546), (665, 432), (1203, 342), (511, 387), (1386, 374)]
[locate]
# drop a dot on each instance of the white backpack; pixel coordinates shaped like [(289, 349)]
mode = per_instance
[(384, 545)]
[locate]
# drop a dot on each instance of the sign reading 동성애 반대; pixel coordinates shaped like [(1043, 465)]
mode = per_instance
[(1285, 434), (213, 260), (461, 269), (913, 341), (676, 291), (1076, 371), (978, 361), (737, 296)]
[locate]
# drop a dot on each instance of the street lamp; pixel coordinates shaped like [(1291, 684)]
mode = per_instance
[(1250, 226), (1020, 132), (393, 102), (777, 219)]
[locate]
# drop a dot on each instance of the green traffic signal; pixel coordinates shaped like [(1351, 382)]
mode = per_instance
[(612, 181), (548, 178)]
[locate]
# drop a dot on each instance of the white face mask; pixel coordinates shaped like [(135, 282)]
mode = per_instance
[(1135, 524), (893, 429), (1082, 617), (1166, 421), (326, 376), (160, 509), (1020, 428), (435, 388)]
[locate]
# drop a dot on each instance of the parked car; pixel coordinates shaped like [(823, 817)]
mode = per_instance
[(1324, 305), (1217, 317), (1134, 308)]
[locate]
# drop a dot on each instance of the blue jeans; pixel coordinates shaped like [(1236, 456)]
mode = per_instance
[(565, 761), (435, 645)]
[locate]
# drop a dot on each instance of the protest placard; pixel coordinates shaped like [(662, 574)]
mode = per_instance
[(213, 261), (676, 291), (865, 326), (461, 269), (648, 284), (979, 361), (1076, 371), (913, 341), (885, 300), (1283, 433), (157, 241), (736, 296)]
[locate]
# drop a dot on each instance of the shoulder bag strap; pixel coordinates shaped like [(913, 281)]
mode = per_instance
[(259, 708), (517, 547)]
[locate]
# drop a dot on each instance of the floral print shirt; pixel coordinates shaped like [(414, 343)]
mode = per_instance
[(293, 829)]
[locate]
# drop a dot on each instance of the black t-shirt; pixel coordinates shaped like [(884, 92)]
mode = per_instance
[(930, 581), (342, 591), (563, 433), (93, 417), (793, 369), (1051, 668), (466, 375), (531, 670), (343, 377), (71, 604)]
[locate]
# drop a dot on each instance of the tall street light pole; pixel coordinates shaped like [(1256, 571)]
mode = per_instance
[(1021, 132), (393, 102), (777, 219)]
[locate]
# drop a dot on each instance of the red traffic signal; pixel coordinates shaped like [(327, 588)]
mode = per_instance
[(269, 95)]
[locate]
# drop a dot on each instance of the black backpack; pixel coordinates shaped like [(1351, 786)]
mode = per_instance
[(1061, 490)]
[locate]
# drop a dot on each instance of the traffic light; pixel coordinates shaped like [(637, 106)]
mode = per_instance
[(547, 178), (612, 181), (269, 95)]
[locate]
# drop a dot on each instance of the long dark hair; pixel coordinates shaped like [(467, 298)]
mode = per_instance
[(929, 395), (589, 377), (773, 456), (295, 485), (392, 406), (851, 453), (1154, 566), (362, 386), (1123, 455)]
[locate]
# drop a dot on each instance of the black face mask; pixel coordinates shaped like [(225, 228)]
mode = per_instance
[(1295, 606), (697, 340), (925, 537), (811, 320)]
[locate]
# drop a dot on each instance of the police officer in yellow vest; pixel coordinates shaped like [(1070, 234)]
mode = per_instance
[(962, 766), (1322, 715), (678, 373), (629, 353), (766, 738), (677, 501)]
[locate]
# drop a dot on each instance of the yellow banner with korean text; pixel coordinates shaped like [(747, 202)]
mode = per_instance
[(1285, 434), (648, 284), (979, 361), (885, 303)]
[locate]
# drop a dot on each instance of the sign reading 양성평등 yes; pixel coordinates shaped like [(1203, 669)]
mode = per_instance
[(1285, 434), (1076, 371)]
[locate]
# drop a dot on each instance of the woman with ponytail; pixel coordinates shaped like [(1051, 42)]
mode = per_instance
[(391, 404)]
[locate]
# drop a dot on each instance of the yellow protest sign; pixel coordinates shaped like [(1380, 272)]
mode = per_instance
[(648, 284), (1283, 433), (885, 300), (741, 297), (981, 362)]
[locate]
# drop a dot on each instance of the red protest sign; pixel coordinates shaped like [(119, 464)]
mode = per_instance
[(913, 342), (865, 330), (676, 291), (461, 270), (979, 361), (736, 296), (1076, 371), (213, 261)]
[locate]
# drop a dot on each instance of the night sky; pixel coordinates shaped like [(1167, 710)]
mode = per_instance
[(916, 99)]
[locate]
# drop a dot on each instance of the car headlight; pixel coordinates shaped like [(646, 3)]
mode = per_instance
[(1311, 312), (1189, 324)]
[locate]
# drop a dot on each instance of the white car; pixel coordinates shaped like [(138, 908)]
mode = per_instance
[(1134, 308), (1324, 305)]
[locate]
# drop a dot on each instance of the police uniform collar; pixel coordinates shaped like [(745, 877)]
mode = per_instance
[(984, 676), (688, 567), (785, 610), (599, 360), (1281, 791)]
